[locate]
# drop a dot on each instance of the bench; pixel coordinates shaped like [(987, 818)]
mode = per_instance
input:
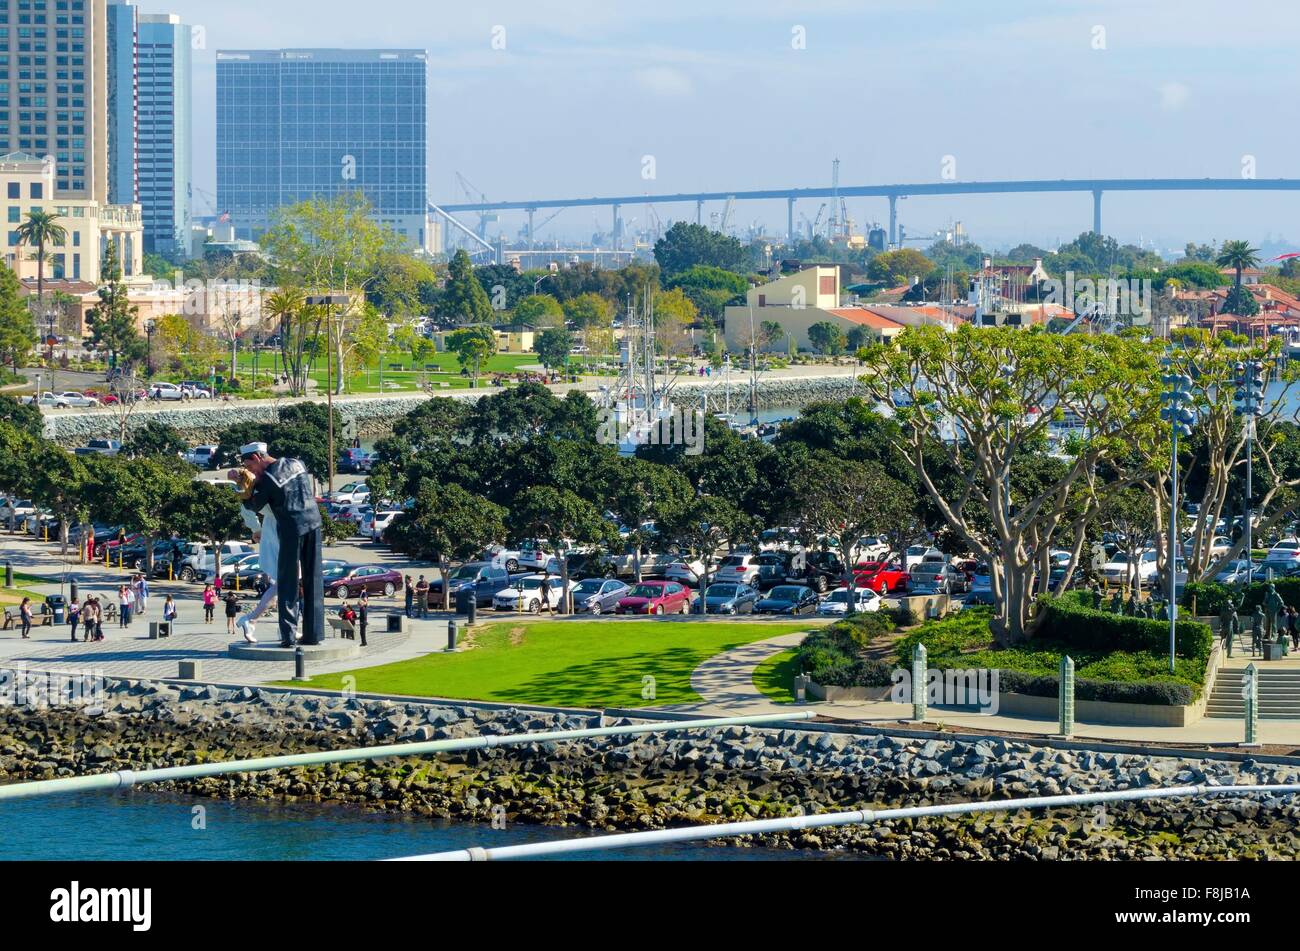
[(38, 620), (342, 627)]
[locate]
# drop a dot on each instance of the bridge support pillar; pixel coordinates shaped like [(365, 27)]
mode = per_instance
[(699, 212), (1096, 211), (531, 212), (893, 220), (789, 220), (615, 232)]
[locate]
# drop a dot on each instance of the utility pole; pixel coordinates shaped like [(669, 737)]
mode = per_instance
[(327, 301)]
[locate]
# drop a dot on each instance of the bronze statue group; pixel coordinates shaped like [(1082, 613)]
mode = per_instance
[(1270, 622)]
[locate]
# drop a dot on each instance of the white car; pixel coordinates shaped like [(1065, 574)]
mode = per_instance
[(836, 604), (201, 456), (737, 569), (527, 594), (531, 556), (872, 548), (17, 509), (1117, 571), (1217, 547), (1283, 556), (1234, 572), (48, 400), (686, 572), (72, 398), (166, 391), (354, 493), (918, 553), (375, 524)]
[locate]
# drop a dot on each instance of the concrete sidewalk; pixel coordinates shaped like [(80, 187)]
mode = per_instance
[(726, 682)]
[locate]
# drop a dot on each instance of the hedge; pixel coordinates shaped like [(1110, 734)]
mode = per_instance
[(1066, 622), (1157, 693), (1210, 595), (832, 656)]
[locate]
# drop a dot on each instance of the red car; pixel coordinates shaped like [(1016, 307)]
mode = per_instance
[(656, 597), (345, 581), (882, 577), (111, 544)]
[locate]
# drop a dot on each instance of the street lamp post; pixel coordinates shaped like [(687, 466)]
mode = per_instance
[(1250, 401), (149, 328), (1180, 420)]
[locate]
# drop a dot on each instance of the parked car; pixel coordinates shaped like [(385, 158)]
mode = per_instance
[(247, 569), (836, 604), (167, 392), (134, 554), (773, 568), (16, 509), (73, 398), (1216, 547), (820, 570), (100, 447), (531, 555), (981, 587), (730, 598), (1117, 571), (481, 577), (737, 569), (374, 524), (656, 597), (774, 539), (590, 564), (202, 456), (788, 599), (352, 580), (917, 553), (529, 593), (1234, 572), (198, 563), (354, 493), (1283, 555), (598, 595), (356, 460), (872, 548), (882, 577), (196, 390), (943, 577), (47, 399), (687, 572), (110, 544)]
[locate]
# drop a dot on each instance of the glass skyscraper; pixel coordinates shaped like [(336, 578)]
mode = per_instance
[(122, 102), (164, 137), (300, 124)]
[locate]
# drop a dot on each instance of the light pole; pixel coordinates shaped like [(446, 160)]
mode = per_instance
[(1250, 401), (149, 328), (1180, 420)]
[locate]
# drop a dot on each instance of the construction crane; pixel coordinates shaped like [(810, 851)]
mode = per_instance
[(816, 221), (727, 213), (475, 195)]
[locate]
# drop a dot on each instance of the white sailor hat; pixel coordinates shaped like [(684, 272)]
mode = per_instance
[(251, 448)]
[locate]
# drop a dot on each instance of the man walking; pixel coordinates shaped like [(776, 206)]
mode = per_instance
[(410, 595), (363, 612), (285, 486), (422, 598)]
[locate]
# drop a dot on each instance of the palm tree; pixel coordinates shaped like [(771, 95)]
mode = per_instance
[(40, 229), (1237, 255)]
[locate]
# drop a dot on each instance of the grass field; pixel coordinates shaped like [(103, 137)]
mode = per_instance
[(567, 663), (445, 369), (774, 677), (23, 588)]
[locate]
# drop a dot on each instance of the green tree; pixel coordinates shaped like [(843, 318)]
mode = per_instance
[(112, 321), (472, 346), (137, 493), (156, 440), (40, 228), (447, 523), (24, 416), (59, 481), (17, 328), (703, 527), (1239, 256), (827, 338), (899, 267), (685, 246), (208, 513), (538, 311), (560, 516), (463, 302), (675, 316), (709, 288), (553, 347)]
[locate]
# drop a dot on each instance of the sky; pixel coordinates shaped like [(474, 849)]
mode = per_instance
[(741, 94)]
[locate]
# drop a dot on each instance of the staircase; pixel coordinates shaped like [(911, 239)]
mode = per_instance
[(1279, 694)]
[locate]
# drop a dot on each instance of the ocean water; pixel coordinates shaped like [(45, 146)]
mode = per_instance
[(140, 825)]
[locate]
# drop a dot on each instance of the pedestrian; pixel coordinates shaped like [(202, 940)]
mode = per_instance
[(422, 597), (74, 617), (232, 611), (123, 606), (410, 594), (1293, 626), (141, 594), (209, 602), (363, 611), (88, 619), (169, 610), (25, 615)]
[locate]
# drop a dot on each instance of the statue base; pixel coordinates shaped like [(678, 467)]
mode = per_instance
[(333, 649)]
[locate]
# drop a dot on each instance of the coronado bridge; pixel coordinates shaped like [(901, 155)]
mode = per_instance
[(1096, 186)]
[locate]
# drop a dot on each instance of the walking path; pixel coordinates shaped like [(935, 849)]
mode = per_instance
[(726, 682)]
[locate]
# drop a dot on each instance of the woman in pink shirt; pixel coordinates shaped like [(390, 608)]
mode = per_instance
[(209, 602)]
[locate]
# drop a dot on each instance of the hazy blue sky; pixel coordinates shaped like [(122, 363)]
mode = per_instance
[(717, 93)]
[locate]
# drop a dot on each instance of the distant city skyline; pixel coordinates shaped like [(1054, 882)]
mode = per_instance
[(727, 97)]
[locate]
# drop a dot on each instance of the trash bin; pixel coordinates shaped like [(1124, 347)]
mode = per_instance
[(58, 606), (463, 599)]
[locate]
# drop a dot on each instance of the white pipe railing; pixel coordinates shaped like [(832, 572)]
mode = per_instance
[(125, 778), (797, 823)]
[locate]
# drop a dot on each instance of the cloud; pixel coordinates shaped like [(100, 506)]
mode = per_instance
[(1173, 96), (664, 81)]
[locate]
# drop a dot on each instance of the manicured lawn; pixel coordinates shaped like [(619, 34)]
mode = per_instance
[(407, 378), (22, 587), (774, 677), (567, 663)]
